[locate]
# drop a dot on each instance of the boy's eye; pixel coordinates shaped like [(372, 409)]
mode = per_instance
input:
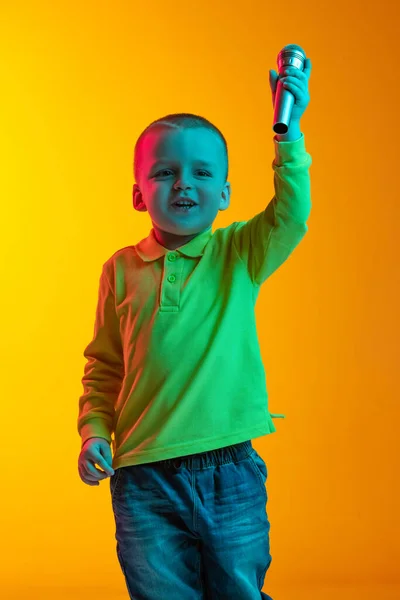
[(169, 171)]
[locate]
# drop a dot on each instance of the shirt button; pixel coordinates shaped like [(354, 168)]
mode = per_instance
[(171, 278), (171, 257)]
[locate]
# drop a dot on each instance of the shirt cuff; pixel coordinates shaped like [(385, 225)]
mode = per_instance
[(289, 151)]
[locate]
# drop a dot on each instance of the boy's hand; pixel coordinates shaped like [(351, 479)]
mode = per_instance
[(297, 83), (95, 451)]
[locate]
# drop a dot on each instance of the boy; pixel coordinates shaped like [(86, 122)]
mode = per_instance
[(175, 371)]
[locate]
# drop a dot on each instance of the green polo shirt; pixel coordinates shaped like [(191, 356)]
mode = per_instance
[(174, 367)]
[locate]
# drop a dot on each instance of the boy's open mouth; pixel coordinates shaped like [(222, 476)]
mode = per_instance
[(182, 206)]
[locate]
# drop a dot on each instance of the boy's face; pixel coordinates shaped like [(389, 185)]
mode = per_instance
[(171, 169)]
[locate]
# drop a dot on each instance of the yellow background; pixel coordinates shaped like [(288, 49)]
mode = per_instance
[(80, 81)]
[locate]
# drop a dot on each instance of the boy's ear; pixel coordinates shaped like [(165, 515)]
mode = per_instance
[(226, 197), (138, 203)]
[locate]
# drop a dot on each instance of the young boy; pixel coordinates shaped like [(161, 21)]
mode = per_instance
[(174, 369)]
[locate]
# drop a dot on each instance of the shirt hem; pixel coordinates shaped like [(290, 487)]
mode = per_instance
[(195, 447)]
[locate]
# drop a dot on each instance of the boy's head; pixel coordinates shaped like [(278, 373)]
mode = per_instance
[(181, 156)]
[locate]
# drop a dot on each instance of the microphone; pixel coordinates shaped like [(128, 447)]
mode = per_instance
[(290, 56)]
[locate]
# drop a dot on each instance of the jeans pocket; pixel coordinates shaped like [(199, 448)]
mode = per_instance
[(259, 467), (115, 482)]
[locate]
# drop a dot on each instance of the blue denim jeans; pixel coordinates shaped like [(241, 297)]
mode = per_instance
[(194, 527)]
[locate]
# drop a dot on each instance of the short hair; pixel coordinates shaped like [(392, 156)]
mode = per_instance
[(178, 121)]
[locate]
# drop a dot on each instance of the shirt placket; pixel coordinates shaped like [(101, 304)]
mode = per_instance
[(172, 282)]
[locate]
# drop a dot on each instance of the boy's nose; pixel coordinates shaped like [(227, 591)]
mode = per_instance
[(181, 185)]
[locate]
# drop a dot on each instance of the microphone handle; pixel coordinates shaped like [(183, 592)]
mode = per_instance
[(284, 101)]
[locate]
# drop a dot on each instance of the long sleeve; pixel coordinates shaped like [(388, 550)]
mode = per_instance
[(104, 370), (264, 242)]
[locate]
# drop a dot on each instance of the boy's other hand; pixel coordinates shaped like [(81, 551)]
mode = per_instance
[(95, 451)]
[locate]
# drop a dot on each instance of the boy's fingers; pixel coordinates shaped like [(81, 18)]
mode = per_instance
[(307, 67), (87, 477), (273, 75), (273, 81), (88, 470), (92, 471), (105, 456), (94, 454), (104, 465), (106, 460)]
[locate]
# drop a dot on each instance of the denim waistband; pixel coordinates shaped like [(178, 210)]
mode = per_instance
[(221, 456)]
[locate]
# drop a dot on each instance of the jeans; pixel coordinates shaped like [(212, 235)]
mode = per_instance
[(194, 527)]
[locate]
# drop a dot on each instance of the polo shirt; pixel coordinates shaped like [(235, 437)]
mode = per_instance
[(174, 367)]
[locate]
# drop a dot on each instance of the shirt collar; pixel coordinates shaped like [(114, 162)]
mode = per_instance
[(149, 249)]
